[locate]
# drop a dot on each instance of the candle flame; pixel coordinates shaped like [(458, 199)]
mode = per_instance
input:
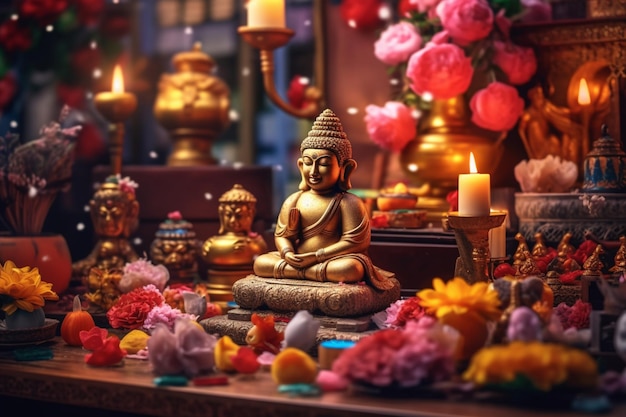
[(583, 93), (118, 80), (472, 164)]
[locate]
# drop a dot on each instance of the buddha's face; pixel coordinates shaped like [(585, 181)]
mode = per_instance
[(236, 217), (320, 169), (110, 217)]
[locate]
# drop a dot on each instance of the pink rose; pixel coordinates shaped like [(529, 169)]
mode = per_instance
[(441, 70), (397, 43), (518, 63), (440, 37), (391, 127), (466, 20), (503, 24), (497, 107)]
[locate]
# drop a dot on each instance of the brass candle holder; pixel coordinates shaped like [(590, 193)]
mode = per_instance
[(472, 238), (267, 40), (116, 106)]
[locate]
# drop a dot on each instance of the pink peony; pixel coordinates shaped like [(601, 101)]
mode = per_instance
[(396, 43), (391, 127), (426, 6), (518, 63), (441, 70), (497, 107), (166, 315), (142, 272), (466, 20)]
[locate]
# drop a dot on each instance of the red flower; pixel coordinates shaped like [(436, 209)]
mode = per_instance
[(409, 310), (361, 14), (503, 270), (245, 361), (108, 354), (43, 11), (132, 308), (570, 277), (14, 37), (295, 92), (94, 338), (8, 86), (453, 200)]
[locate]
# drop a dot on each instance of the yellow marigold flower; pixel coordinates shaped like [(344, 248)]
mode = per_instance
[(545, 365), (458, 296), (23, 288)]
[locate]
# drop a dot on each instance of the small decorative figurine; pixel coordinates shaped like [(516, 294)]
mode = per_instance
[(540, 249), (605, 166), (565, 248), (593, 264), (115, 216), (522, 247), (529, 266), (229, 255), (619, 261), (175, 246)]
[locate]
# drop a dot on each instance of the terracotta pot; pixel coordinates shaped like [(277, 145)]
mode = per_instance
[(49, 253)]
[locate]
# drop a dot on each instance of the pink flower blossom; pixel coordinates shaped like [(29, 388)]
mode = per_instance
[(187, 350), (174, 215), (166, 315), (422, 353), (518, 63), (397, 43), (391, 127), (441, 70), (497, 107), (142, 272), (466, 20)]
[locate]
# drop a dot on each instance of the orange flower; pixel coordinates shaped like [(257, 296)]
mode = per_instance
[(23, 288)]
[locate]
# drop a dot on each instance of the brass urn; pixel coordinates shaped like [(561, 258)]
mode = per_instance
[(193, 106), (441, 150)]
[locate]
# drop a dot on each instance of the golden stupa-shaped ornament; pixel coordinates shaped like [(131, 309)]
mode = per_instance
[(193, 106)]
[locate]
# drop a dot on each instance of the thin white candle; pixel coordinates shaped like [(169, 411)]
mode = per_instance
[(474, 192), (497, 239), (266, 13)]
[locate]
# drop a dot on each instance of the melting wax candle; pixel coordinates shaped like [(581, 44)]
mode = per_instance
[(474, 192)]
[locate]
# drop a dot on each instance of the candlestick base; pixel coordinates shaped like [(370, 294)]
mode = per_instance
[(472, 238), (265, 38)]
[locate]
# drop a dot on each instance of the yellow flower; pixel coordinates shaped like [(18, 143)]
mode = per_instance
[(459, 297), (23, 288), (545, 365)]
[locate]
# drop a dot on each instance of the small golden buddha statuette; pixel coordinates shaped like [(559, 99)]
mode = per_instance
[(175, 246), (114, 213), (230, 254)]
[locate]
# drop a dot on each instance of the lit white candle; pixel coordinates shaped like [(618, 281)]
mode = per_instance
[(474, 192), (266, 13), (497, 239)]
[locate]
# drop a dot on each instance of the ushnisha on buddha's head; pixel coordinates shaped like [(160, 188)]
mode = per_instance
[(326, 148)]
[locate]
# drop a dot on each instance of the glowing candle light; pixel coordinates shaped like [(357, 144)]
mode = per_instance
[(474, 192), (584, 99), (118, 80), (266, 13)]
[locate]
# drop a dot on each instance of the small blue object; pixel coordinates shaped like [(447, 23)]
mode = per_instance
[(303, 390), (37, 353), (599, 404), (232, 304), (170, 380), (338, 344)]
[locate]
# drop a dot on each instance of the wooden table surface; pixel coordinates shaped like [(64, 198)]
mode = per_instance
[(66, 381)]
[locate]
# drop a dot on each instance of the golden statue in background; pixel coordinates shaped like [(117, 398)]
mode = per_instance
[(230, 254), (547, 129), (115, 216)]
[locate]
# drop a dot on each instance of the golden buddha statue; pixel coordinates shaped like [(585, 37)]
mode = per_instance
[(540, 249), (619, 261), (323, 231), (230, 254), (115, 216), (520, 253)]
